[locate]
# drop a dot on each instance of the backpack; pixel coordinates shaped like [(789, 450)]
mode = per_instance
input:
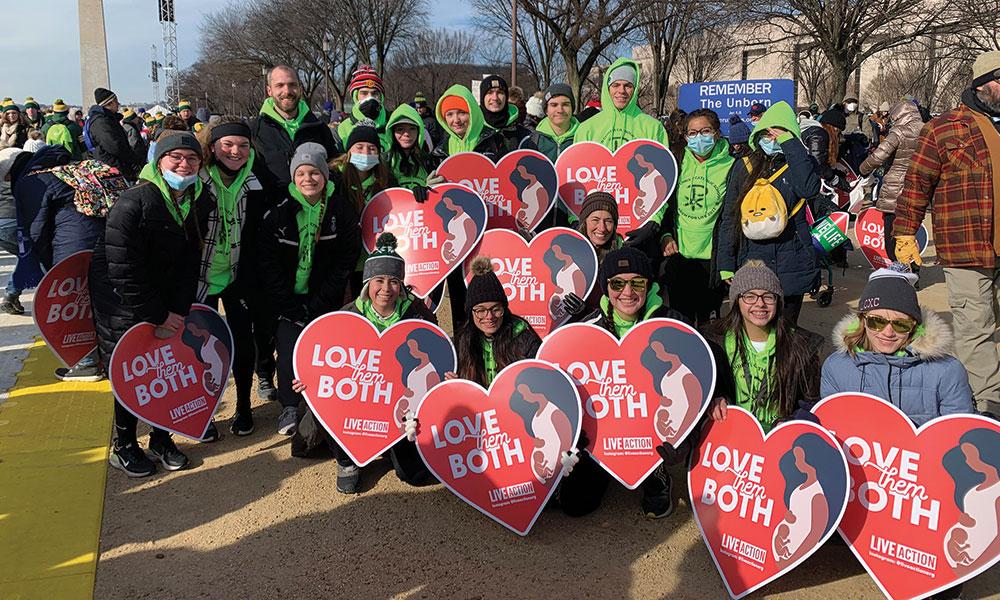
[(96, 185), (87, 141), (763, 212)]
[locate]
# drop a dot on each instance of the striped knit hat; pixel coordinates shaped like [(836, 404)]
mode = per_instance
[(365, 77), (29, 102), (8, 104), (385, 261), (59, 106)]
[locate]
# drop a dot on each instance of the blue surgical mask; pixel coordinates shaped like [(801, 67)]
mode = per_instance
[(770, 147), (364, 162), (178, 182), (701, 144)]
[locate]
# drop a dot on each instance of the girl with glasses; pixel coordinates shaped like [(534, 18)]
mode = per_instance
[(773, 366), (897, 350)]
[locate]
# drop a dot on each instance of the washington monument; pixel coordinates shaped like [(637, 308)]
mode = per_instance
[(93, 49)]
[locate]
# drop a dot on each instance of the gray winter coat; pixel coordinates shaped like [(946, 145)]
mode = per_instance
[(926, 382), (894, 153)]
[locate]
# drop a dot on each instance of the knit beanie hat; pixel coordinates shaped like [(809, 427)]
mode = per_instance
[(7, 158), (171, 140), (8, 104), (834, 117), (986, 68), (624, 72), (757, 109), (33, 145), (624, 260), (492, 82), (29, 102), (183, 105), (891, 288), (419, 100), (484, 286), (384, 261), (453, 103), (363, 131), (309, 153), (739, 133), (365, 77), (754, 275), (59, 106), (104, 97), (560, 89), (599, 201), (535, 107)]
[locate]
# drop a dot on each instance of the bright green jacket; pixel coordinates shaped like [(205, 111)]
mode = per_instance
[(477, 124), (759, 371), (347, 125), (552, 144), (701, 192), (395, 155), (614, 128), (60, 131), (779, 115)]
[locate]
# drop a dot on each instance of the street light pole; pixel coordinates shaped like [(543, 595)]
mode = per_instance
[(513, 43), (232, 106), (326, 68)]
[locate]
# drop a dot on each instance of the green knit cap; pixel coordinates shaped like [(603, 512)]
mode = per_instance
[(29, 102), (59, 106), (8, 104)]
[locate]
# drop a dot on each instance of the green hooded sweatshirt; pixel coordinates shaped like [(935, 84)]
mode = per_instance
[(701, 191), (309, 220), (292, 125), (220, 272), (364, 305), (476, 122), (395, 154), (612, 127), (347, 125), (780, 114), (759, 371), (551, 144), (60, 131), (490, 361), (622, 325), (178, 209)]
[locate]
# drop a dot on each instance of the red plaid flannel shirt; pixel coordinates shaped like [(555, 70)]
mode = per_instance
[(951, 170)]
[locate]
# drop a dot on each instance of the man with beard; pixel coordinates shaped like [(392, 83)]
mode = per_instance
[(956, 169)]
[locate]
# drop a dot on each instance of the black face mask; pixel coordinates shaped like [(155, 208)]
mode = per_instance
[(226, 170), (370, 108)]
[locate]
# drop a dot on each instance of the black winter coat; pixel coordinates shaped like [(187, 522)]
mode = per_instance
[(110, 142), (275, 150), (334, 257), (496, 143), (145, 265)]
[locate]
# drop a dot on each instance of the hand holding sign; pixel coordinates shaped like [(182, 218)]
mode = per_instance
[(62, 309), (501, 450), (765, 503), (519, 190), (641, 175), (434, 236), (174, 383), (924, 503)]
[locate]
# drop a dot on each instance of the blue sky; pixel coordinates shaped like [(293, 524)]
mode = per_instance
[(36, 65)]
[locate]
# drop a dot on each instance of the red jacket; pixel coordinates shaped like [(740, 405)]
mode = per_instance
[(951, 167)]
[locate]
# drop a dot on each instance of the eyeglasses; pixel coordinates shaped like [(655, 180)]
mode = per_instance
[(750, 298), (177, 158), (638, 284), (874, 323), (496, 311), (705, 131)]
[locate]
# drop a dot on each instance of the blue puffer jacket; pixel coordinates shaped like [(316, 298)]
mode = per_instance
[(926, 382)]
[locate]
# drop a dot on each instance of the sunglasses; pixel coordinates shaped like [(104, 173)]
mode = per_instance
[(638, 284), (874, 323)]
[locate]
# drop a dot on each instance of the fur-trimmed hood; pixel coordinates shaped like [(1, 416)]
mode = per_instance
[(933, 339)]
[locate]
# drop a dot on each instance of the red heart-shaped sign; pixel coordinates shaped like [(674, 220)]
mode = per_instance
[(500, 450), (640, 175), (924, 503), (360, 383), (519, 190), (869, 229), (764, 503), (648, 389), (434, 237), (174, 383), (537, 275), (62, 309)]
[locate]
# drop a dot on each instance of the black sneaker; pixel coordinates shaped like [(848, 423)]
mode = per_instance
[(80, 373), (211, 434), (131, 460), (348, 477), (164, 450), (657, 501), (242, 424), (11, 305), (266, 390)]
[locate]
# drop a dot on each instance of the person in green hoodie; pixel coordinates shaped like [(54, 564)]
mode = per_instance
[(556, 133), (691, 222), (620, 119), (367, 92), (384, 300), (773, 367), (408, 155), (59, 130), (464, 121)]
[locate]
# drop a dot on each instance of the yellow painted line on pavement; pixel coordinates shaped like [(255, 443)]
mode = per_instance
[(53, 467)]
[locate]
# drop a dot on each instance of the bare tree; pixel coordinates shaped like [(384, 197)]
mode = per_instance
[(667, 26), (538, 51), (847, 32), (379, 24), (430, 62), (704, 56), (584, 29)]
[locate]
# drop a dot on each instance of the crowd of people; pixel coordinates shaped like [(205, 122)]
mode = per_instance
[(261, 216)]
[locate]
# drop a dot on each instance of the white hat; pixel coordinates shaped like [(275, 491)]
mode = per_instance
[(535, 107), (7, 157), (33, 145)]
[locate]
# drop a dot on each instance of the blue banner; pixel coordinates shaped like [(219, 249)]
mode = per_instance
[(729, 98)]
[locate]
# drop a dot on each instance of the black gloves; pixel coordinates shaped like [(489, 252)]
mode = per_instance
[(640, 237), (573, 304), (420, 193)]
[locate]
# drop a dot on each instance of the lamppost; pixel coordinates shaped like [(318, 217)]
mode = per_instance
[(326, 68), (232, 106), (513, 43)]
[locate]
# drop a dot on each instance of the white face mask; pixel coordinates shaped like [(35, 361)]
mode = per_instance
[(364, 162), (851, 106)]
